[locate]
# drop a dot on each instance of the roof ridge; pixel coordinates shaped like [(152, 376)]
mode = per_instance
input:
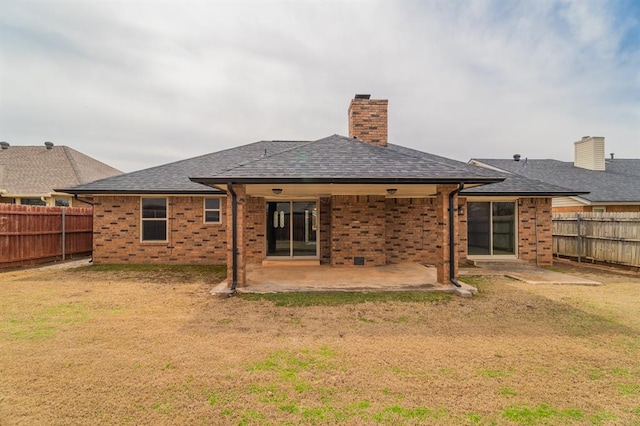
[(72, 162), (303, 143), (420, 156)]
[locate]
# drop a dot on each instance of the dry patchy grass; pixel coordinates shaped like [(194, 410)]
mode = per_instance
[(153, 347)]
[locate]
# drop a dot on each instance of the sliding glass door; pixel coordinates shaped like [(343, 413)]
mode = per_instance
[(292, 229), (491, 228)]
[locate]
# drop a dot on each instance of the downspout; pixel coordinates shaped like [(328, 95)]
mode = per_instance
[(452, 228), (234, 237)]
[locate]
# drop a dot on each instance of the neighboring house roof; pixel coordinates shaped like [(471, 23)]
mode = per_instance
[(37, 170), (618, 183), (512, 184), (331, 159)]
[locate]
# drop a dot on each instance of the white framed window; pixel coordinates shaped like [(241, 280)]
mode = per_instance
[(212, 210), (62, 202), (153, 219), (598, 209), (32, 202)]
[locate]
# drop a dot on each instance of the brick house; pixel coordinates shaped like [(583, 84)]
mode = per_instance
[(603, 184), (354, 201)]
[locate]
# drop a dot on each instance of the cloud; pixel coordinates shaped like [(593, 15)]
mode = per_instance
[(136, 83)]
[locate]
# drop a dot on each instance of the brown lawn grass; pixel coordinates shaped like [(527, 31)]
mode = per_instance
[(143, 347)]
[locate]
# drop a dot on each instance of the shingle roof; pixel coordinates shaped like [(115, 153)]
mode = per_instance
[(512, 185), (174, 177), (620, 182), (334, 158), (338, 158), (36, 170)]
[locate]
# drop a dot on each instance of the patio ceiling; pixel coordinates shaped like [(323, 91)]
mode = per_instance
[(289, 190)]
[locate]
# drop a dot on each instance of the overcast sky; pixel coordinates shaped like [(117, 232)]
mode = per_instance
[(141, 83)]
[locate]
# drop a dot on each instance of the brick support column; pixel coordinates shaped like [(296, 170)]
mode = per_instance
[(241, 195), (442, 233)]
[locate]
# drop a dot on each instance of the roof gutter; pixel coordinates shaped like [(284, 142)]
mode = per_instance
[(234, 237), (452, 228), (211, 181), (75, 197)]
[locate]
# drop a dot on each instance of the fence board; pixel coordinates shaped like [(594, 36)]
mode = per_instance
[(29, 234), (603, 237)]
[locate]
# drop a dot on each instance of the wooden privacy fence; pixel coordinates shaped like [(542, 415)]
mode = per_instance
[(602, 237), (32, 234)]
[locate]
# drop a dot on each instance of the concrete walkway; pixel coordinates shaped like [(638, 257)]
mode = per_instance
[(525, 272), (324, 278)]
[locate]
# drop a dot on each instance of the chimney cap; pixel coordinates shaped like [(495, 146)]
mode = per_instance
[(362, 96), (4, 145), (516, 157), (48, 144)]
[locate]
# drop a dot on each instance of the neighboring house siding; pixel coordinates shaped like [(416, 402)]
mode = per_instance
[(588, 209), (358, 223), (578, 209), (528, 208), (410, 229), (190, 241), (622, 209)]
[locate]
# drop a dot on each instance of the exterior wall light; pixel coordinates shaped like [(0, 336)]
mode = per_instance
[(392, 191), (276, 191)]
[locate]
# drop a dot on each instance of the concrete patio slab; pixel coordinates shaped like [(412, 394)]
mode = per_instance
[(291, 278), (525, 272)]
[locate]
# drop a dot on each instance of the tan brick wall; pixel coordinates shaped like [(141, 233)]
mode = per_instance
[(116, 233), (368, 120), (358, 229), (255, 229), (411, 230), (463, 241), (442, 234), (528, 208), (324, 209)]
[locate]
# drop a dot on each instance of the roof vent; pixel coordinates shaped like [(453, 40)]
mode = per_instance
[(363, 97), (585, 137), (516, 157), (4, 145), (612, 154), (49, 145)]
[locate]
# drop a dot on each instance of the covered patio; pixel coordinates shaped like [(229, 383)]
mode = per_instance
[(291, 277)]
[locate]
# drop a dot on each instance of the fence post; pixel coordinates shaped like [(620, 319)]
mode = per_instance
[(579, 240), (64, 235)]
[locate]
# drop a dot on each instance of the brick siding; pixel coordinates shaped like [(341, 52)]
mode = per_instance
[(528, 208), (358, 229), (116, 233), (324, 209), (410, 230)]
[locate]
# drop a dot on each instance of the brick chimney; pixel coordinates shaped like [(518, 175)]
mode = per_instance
[(368, 120)]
